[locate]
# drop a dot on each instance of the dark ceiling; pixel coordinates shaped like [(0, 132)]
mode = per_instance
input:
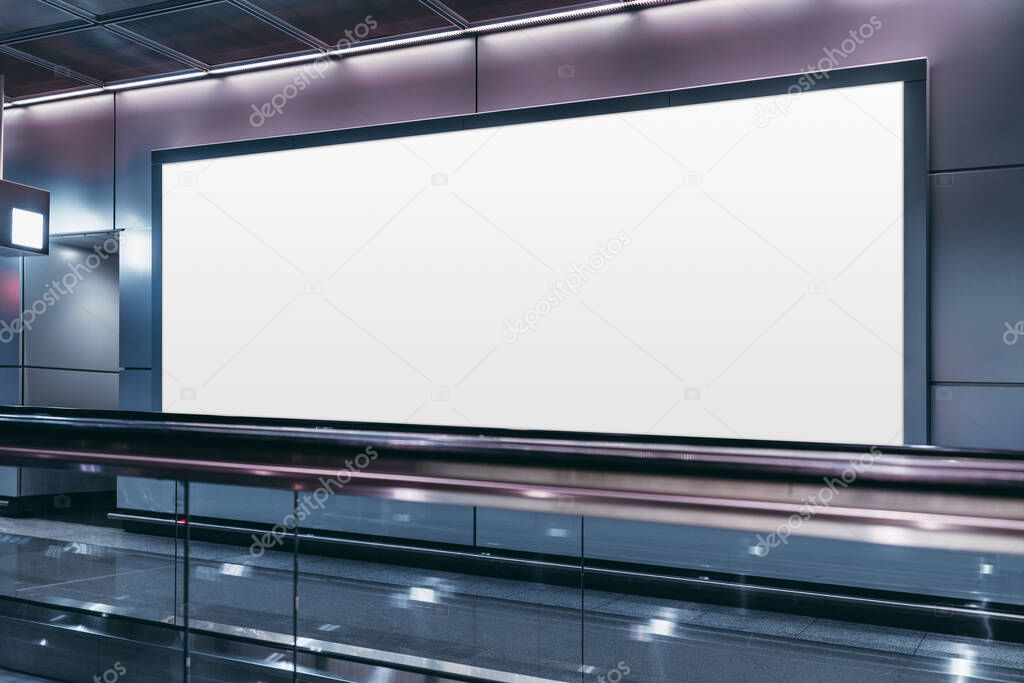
[(55, 46)]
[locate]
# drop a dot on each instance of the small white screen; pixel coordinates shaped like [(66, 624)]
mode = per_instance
[(27, 229)]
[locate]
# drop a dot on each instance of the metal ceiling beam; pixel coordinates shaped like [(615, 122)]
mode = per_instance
[(446, 12)]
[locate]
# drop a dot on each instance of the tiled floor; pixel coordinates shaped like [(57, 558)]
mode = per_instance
[(552, 632)]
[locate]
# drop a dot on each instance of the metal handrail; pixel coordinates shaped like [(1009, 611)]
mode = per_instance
[(754, 485)]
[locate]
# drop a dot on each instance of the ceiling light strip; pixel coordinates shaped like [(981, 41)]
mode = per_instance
[(54, 97), (267, 63), (491, 27), (398, 42), (154, 81)]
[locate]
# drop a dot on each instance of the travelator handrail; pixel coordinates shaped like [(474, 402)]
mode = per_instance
[(916, 495)]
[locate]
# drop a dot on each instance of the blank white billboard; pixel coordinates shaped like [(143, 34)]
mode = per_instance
[(723, 269)]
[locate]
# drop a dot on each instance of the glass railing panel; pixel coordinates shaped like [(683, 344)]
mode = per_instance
[(862, 601), (241, 582), (391, 586), (85, 590)]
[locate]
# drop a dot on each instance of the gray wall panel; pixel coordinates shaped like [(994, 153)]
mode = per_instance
[(848, 562), (978, 416), (135, 390), (10, 309), (242, 503), (378, 517), (974, 50), (421, 82), (66, 148), (70, 389), (8, 481), (136, 324), (150, 495), (10, 386), (531, 532), (10, 394), (978, 276), (71, 303), (37, 481)]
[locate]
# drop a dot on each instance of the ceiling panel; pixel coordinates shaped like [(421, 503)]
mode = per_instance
[(104, 7), (486, 10), (23, 79), (217, 34), (353, 20), (101, 54), (23, 15)]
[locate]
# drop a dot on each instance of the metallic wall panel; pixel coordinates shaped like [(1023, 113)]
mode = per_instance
[(10, 394), (10, 386), (71, 303), (135, 390), (974, 416), (391, 518), (37, 482), (239, 503), (851, 561), (67, 148), (421, 82), (8, 481), (530, 532), (70, 389), (347, 514), (978, 276), (10, 309), (149, 495), (974, 51), (136, 326)]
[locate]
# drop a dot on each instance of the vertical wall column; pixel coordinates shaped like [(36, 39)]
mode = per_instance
[(10, 343)]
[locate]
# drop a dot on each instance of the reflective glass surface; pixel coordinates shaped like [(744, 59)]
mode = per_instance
[(131, 576)]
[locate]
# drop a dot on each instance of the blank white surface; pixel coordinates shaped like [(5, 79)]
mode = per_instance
[(760, 293), (27, 229)]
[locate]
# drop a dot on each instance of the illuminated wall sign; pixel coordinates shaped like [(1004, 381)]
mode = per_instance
[(24, 220)]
